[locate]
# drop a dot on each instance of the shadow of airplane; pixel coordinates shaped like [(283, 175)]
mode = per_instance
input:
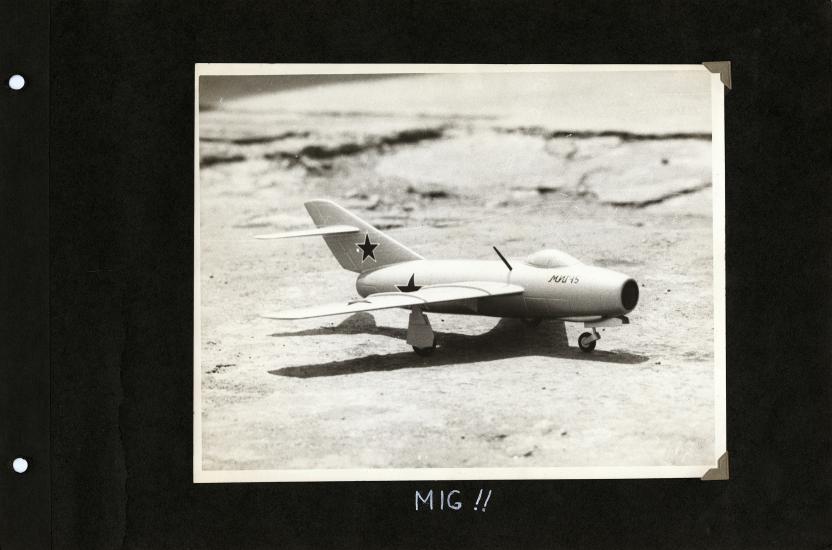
[(509, 338)]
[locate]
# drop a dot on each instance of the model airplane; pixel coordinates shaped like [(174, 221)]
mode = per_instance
[(547, 285)]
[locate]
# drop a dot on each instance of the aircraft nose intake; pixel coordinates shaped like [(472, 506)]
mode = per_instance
[(629, 294)]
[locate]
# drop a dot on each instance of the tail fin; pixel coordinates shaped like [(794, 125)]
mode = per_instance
[(358, 251)]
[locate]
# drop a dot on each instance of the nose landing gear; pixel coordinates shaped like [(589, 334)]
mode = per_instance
[(587, 340)]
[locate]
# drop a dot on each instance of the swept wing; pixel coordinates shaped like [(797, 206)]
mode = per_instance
[(431, 294)]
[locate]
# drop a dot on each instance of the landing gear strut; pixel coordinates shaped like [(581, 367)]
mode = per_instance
[(419, 333), (587, 340)]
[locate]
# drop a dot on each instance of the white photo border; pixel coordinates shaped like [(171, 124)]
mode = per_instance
[(506, 473)]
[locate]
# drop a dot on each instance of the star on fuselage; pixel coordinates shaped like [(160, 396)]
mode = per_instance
[(367, 248), (411, 286)]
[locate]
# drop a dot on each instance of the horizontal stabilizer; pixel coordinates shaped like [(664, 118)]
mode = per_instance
[(431, 294), (325, 230)]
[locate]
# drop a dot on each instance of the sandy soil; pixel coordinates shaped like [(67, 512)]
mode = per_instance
[(348, 392)]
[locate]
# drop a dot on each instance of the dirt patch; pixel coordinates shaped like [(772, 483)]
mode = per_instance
[(622, 135), (211, 160)]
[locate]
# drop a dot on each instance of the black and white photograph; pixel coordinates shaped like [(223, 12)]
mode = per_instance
[(301, 275), (458, 272)]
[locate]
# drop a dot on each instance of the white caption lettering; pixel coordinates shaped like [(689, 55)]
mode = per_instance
[(452, 500)]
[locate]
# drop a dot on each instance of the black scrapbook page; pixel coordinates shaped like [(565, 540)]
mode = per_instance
[(398, 275)]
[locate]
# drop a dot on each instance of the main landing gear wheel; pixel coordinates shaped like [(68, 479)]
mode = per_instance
[(424, 352), (419, 334), (532, 322), (586, 342)]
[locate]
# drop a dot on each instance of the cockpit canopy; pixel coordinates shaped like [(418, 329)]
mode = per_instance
[(551, 258)]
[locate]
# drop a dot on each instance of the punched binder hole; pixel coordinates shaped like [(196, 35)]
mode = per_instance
[(20, 465), (16, 82)]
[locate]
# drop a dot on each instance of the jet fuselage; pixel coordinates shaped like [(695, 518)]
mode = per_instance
[(578, 292)]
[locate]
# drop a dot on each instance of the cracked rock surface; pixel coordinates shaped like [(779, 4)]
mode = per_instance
[(626, 190)]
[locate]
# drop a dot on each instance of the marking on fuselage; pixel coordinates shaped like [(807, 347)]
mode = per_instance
[(411, 286), (558, 278)]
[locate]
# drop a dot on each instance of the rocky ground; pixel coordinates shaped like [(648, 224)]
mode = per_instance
[(349, 393)]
